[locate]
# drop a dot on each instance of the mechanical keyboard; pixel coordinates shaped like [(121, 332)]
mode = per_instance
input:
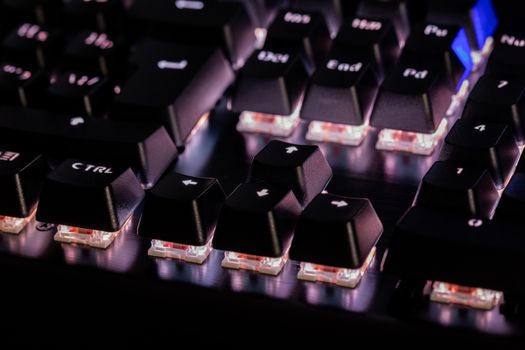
[(208, 170)]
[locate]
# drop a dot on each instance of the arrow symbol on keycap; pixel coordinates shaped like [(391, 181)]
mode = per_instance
[(263, 193), (189, 183), (481, 128), (291, 149), (76, 121), (172, 65), (339, 204)]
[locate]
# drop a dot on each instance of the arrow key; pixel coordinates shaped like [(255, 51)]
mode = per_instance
[(255, 227), (196, 202), (301, 168), (335, 239)]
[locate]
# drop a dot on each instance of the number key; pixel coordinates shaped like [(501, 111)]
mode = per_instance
[(498, 99), (488, 145)]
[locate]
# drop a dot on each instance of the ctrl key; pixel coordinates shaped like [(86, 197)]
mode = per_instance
[(91, 203), (335, 240), (21, 178)]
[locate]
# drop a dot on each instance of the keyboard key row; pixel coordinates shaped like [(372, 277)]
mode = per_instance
[(91, 202)]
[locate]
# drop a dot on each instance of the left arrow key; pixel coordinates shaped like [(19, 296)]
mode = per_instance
[(196, 202)]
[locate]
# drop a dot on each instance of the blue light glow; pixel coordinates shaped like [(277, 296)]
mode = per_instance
[(462, 49), (485, 21)]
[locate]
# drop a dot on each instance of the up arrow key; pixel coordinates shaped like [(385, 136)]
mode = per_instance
[(339, 204), (189, 183), (263, 193), (291, 149)]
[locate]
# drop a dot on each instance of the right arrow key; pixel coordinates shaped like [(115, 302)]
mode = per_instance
[(335, 239)]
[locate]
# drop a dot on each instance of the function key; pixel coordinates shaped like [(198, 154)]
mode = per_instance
[(335, 240), (91, 202), (414, 98), (508, 55), (448, 44), (255, 228), (168, 80), (204, 22), (332, 11), (339, 99), (96, 52), (96, 14), (269, 92), (302, 168), (31, 44), (21, 86), (488, 145), (478, 17), (498, 99), (196, 202), (79, 93), (458, 188), (374, 39), (21, 178), (301, 31)]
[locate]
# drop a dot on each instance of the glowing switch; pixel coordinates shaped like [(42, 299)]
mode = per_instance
[(21, 178), (91, 202), (335, 240), (180, 214)]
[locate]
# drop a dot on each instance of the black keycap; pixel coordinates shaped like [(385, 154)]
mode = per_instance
[(332, 11), (271, 83), (301, 168), (394, 10), (431, 245), (169, 80), (375, 39), (40, 11), (448, 44), (498, 99), (80, 93), (458, 188), (22, 86), (301, 31), (261, 12), (198, 23), (98, 15), (21, 178), (508, 55), (488, 145), (195, 201), (96, 52), (257, 219), (144, 147), (341, 91), (31, 44), (91, 196), (512, 203), (414, 97), (336, 231), (478, 17)]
